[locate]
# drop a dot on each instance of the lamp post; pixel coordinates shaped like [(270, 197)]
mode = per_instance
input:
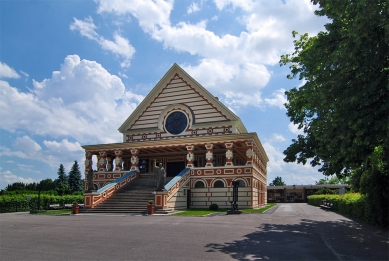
[(234, 205)]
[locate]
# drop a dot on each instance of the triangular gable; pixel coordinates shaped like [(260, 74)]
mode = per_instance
[(177, 87)]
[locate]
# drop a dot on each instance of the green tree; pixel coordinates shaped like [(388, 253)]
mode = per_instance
[(62, 177), (47, 184), (277, 182), (16, 186), (333, 180), (342, 106), (75, 181)]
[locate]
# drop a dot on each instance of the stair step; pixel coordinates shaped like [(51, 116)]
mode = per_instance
[(131, 199)]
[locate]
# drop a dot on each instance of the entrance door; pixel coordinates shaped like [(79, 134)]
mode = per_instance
[(173, 168)]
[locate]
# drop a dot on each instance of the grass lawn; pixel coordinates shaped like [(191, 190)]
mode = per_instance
[(203, 212), (56, 212)]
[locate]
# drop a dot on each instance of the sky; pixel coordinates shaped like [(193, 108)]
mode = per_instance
[(71, 72)]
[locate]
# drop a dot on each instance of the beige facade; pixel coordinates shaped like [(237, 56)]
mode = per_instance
[(202, 145)]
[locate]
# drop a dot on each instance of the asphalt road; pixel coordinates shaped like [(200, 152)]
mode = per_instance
[(291, 232)]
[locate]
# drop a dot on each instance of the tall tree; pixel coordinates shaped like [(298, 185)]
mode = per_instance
[(343, 105), (61, 183), (75, 181), (62, 177), (277, 182), (47, 184)]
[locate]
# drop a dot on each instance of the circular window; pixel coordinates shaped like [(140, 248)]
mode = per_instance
[(176, 122)]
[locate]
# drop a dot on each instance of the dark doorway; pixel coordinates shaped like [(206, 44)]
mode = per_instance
[(173, 168)]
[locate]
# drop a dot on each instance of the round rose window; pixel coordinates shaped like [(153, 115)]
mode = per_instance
[(176, 122)]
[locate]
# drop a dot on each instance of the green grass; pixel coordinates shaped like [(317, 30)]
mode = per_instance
[(198, 212), (260, 210), (203, 212), (56, 212)]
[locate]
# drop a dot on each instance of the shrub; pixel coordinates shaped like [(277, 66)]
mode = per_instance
[(18, 203), (354, 205), (213, 206)]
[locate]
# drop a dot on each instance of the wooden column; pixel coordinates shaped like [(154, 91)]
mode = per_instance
[(134, 159), (88, 161), (189, 156), (209, 155), (118, 160), (102, 161), (229, 154)]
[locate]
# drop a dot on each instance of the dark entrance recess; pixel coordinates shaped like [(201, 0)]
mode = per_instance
[(173, 168)]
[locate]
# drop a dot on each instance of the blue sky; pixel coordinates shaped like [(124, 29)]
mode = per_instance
[(71, 72)]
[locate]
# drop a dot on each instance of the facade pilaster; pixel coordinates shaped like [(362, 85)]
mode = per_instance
[(249, 153), (118, 160), (209, 155), (102, 163), (229, 154), (134, 159), (189, 156), (88, 161)]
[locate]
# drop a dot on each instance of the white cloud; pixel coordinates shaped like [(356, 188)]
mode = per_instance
[(294, 129), (26, 144), (63, 145), (278, 137), (82, 100), (240, 85), (24, 73), (151, 14), (279, 99), (243, 4), (119, 46), (291, 173), (7, 72), (7, 177), (243, 56), (28, 168), (194, 7)]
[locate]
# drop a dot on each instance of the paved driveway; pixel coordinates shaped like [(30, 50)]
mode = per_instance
[(291, 232)]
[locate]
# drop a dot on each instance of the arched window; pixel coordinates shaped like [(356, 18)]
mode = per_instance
[(218, 184), (199, 184), (95, 187), (241, 183)]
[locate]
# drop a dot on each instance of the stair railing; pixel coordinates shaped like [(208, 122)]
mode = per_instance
[(177, 182), (94, 198)]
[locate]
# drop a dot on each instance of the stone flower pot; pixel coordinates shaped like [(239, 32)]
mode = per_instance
[(75, 208), (150, 209)]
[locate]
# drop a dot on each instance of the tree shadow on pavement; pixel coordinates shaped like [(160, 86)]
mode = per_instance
[(308, 240)]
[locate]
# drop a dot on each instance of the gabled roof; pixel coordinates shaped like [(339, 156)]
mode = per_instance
[(178, 87)]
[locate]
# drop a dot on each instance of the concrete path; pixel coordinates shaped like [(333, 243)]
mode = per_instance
[(291, 232)]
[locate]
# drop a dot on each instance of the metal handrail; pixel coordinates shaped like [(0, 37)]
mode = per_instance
[(176, 178)]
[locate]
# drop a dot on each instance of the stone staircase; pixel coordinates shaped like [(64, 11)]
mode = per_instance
[(132, 199)]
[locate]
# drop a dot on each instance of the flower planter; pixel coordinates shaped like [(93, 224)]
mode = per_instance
[(75, 208), (150, 209)]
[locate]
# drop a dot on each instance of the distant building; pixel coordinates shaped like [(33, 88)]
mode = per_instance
[(297, 193), (202, 145)]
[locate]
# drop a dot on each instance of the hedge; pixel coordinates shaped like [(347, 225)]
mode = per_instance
[(19, 203), (352, 204)]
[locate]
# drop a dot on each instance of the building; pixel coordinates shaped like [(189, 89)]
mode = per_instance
[(297, 193), (202, 145)]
